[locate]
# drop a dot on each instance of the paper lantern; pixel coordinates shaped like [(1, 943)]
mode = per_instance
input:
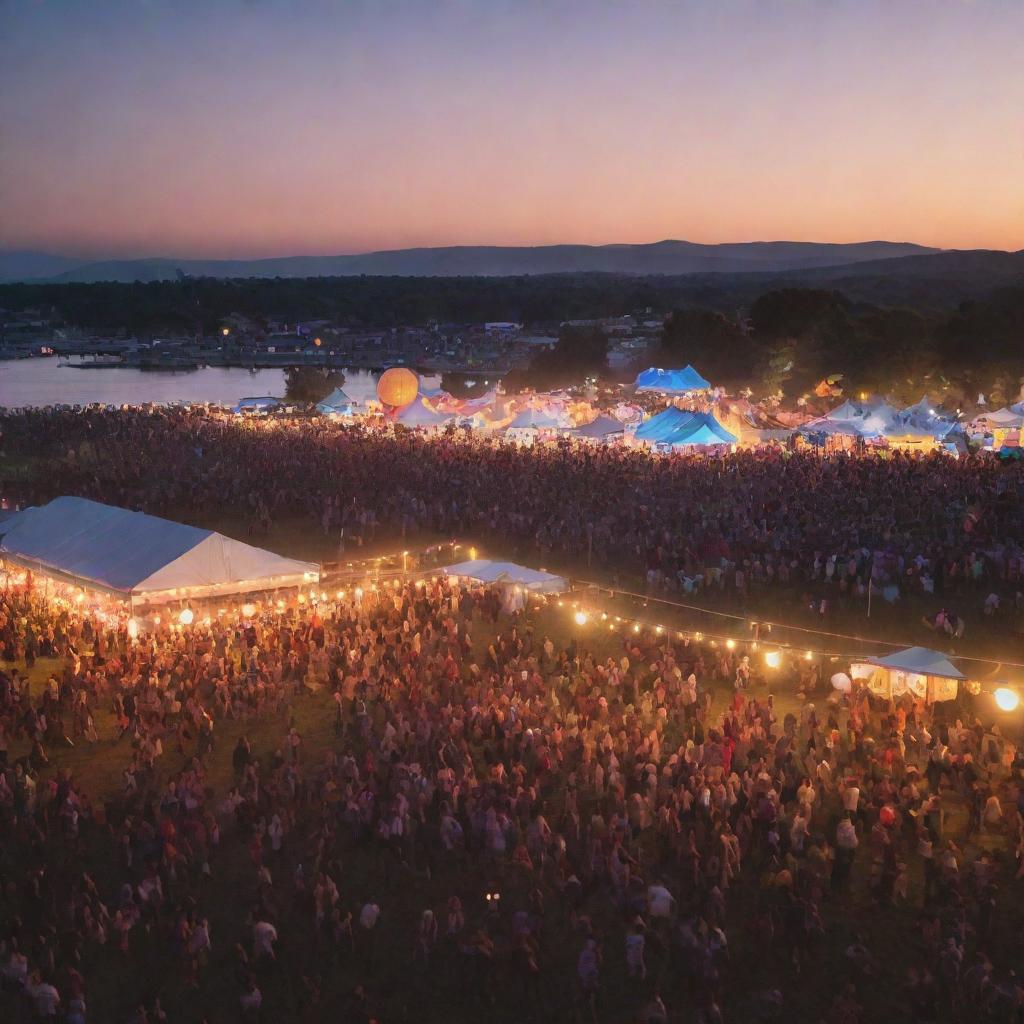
[(248, 610), (887, 816), (186, 617), (398, 387)]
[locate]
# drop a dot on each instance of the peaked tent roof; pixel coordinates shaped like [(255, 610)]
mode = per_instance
[(486, 571), (703, 429), (603, 426), (921, 660), (129, 552), (336, 401), (1002, 418), (678, 426), (534, 419), (661, 425), (678, 382), (419, 414)]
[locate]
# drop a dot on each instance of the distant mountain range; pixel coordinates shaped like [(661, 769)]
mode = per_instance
[(668, 258)]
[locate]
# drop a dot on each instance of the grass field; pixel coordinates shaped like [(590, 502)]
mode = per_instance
[(450, 990)]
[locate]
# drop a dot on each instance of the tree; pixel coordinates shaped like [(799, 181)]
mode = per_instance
[(311, 384), (579, 352), (719, 347)]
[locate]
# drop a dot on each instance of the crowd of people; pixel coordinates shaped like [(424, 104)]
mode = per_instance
[(403, 806), (753, 522)]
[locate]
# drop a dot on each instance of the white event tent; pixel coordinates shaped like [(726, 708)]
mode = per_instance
[(140, 558), (515, 580)]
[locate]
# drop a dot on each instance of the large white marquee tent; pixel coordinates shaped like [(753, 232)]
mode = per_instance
[(139, 557)]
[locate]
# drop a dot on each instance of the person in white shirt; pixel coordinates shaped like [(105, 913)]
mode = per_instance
[(659, 901), (264, 936), (45, 1000), (368, 916)]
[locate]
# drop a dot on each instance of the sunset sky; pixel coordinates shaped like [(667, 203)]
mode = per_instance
[(233, 128)]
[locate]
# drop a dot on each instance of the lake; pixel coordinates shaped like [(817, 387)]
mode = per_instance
[(39, 382)]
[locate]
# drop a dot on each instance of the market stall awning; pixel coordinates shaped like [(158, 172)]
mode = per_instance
[(136, 555), (921, 660)]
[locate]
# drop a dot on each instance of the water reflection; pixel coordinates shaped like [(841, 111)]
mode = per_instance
[(38, 382)]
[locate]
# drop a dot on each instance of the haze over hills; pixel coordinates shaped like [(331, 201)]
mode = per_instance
[(668, 257)]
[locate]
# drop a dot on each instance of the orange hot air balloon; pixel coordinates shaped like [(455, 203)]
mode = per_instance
[(398, 387)]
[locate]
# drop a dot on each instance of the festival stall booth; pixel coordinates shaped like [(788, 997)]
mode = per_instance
[(672, 382), (678, 429), (258, 406), (998, 429), (516, 582), (918, 428), (139, 560), (602, 430), (532, 425), (417, 415), (337, 403), (922, 672), (921, 428)]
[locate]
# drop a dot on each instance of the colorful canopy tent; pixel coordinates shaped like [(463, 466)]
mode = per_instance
[(418, 415), (604, 428), (515, 581), (139, 557), (919, 670), (672, 382), (337, 403)]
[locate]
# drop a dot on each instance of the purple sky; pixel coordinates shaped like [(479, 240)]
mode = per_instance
[(231, 128)]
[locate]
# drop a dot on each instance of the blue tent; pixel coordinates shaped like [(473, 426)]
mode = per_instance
[(678, 427), (921, 660), (672, 382), (659, 427), (337, 403), (703, 429)]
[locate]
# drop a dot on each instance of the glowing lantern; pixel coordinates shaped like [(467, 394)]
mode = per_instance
[(248, 610), (581, 618), (773, 659), (186, 616), (730, 644), (133, 628), (1007, 699), (887, 816), (398, 387)]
